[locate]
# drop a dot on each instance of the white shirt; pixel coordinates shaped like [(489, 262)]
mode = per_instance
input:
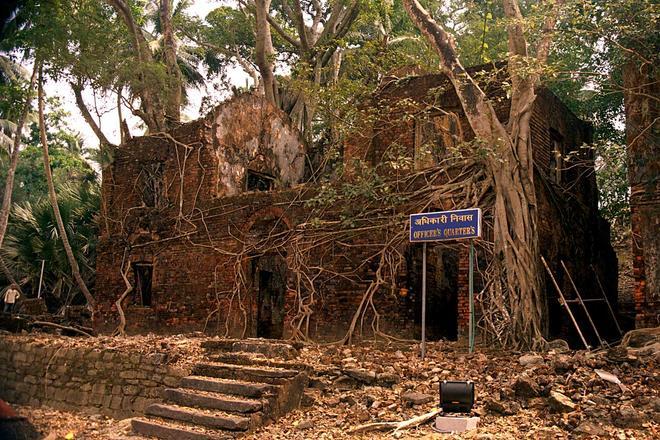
[(11, 295)]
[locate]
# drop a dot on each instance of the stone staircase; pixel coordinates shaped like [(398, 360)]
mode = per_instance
[(243, 385)]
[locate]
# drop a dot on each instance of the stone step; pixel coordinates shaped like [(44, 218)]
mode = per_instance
[(255, 359), (203, 399), (168, 430), (229, 386), (209, 419), (268, 347), (261, 374)]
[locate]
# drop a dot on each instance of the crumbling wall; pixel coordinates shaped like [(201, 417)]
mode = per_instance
[(201, 244), (193, 276), (250, 133), (100, 380)]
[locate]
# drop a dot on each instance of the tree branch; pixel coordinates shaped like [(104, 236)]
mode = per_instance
[(275, 25), (300, 24), (479, 111), (87, 116)]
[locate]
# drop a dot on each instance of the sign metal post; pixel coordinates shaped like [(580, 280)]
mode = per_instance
[(471, 289), (443, 226), (424, 301)]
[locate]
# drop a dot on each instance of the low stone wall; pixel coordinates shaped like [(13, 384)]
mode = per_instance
[(105, 381)]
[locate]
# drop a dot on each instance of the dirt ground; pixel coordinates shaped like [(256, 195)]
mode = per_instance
[(552, 395)]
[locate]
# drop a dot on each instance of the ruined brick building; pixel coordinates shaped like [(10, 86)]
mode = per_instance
[(182, 207)]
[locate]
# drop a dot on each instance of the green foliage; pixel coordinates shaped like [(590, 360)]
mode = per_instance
[(66, 158), (32, 236), (612, 179), (595, 39), (354, 196)]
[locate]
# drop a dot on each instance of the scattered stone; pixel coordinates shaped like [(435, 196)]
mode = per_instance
[(530, 359), (526, 387), (388, 379), (305, 424), (414, 398), (361, 375), (345, 383), (559, 346), (560, 403), (307, 400), (628, 417), (589, 428)]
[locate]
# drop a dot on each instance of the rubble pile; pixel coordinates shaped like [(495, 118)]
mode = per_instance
[(557, 394), (612, 393)]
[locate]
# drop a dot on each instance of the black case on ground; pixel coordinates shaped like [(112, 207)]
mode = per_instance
[(456, 396)]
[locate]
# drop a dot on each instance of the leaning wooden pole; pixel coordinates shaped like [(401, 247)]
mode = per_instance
[(607, 301), (563, 302), (584, 306)]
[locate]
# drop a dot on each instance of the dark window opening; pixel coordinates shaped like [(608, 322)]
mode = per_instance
[(153, 185), (259, 181), (142, 286), (556, 156)]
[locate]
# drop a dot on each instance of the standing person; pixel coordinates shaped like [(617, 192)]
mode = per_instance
[(11, 295)]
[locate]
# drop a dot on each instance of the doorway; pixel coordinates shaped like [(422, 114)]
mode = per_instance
[(441, 290), (143, 281), (269, 288)]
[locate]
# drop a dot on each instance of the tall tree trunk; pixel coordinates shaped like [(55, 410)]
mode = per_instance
[(515, 235), (13, 162), (641, 91), (152, 109), (173, 102), (75, 270), (264, 51)]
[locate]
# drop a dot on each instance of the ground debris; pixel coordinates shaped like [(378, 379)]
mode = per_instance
[(598, 409)]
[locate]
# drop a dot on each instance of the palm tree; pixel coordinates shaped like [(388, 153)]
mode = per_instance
[(33, 236)]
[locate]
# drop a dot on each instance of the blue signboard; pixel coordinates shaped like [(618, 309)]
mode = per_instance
[(445, 225)]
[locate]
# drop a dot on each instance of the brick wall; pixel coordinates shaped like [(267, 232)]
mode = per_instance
[(193, 245), (645, 218), (113, 383)]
